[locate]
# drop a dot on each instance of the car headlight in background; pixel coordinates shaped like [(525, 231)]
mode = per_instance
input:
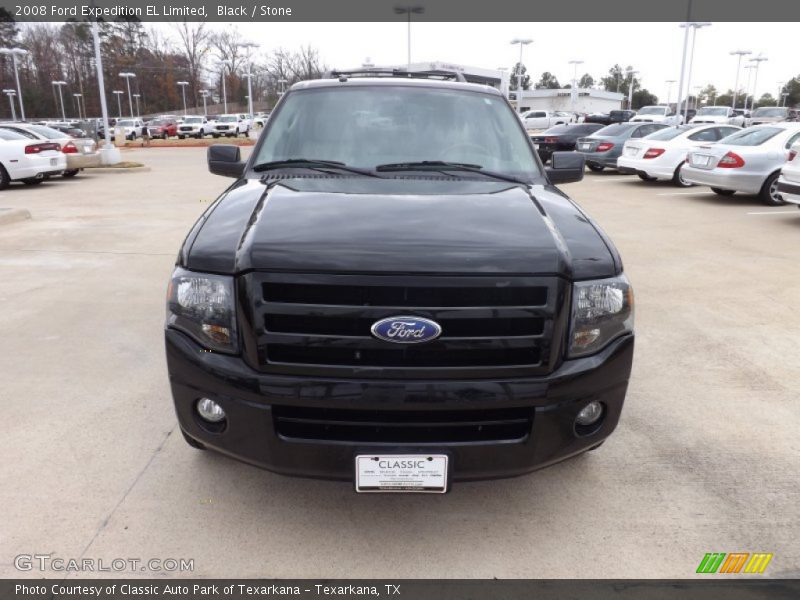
[(602, 310), (203, 306)]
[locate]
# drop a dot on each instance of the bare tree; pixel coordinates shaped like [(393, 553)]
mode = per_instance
[(194, 40)]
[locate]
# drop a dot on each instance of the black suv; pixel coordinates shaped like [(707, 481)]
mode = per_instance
[(394, 293)]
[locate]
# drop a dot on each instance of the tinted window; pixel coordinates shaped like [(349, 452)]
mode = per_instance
[(652, 110), (751, 137), (22, 132), (715, 111), (666, 134), (705, 135), (560, 129), (723, 131), (793, 139), (614, 130), (770, 112), (5, 134), (47, 132)]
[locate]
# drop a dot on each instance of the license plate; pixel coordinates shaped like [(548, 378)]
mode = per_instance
[(401, 473), (53, 162), (584, 146), (631, 151), (701, 160)]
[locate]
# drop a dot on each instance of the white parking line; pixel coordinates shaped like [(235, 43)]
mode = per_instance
[(774, 212), (685, 194)]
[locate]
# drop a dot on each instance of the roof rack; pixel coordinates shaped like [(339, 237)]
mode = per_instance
[(444, 75)]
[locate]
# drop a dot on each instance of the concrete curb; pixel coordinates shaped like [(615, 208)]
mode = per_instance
[(13, 215), (117, 170)]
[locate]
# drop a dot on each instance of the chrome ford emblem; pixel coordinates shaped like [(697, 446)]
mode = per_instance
[(406, 330)]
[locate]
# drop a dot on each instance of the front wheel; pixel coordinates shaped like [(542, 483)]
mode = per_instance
[(769, 192), (596, 168), (722, 192), (5, 180), (677, 178)]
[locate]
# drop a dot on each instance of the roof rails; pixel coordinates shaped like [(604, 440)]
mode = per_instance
[(444, 75)]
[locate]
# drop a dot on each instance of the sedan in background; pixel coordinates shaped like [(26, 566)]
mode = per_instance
[(162, 128), (80, 152), (604, 147), (26, 160), (661, 155), (789, 181), (772, 114), (562, 138), (748, 161)]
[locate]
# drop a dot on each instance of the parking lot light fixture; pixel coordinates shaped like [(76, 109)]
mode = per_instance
[(118, 93), (631, 73), (225, 63), (740, 54), (61, 84), (204, 94), (522, 42), (136, 97), (128, 75), (757, 60), (409, 10), (283, 83), (669, 83), (694, 27), (183, 85), (15, 53), (249, 46), (749, 69), (78, 102), (11, 93), (574, 94)]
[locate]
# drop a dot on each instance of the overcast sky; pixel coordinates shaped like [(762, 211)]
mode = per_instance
[(652, 48)]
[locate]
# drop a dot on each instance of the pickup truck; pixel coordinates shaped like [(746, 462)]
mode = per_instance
[(722, 115), (657, 114), (545, 119), (197, 127), (399, 297), (231, 125)]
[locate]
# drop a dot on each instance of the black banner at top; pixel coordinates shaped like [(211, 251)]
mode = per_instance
[(390, 10)]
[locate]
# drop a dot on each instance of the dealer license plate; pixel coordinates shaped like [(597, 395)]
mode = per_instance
[(401, 473), (701, 160), (53, 162), (631, 151), (584, 146)]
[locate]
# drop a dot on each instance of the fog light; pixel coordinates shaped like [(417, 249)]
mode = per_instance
[(210, 410), (589, 414)]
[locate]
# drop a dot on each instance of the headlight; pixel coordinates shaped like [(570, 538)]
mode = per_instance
[(602, 310), (203, 306)]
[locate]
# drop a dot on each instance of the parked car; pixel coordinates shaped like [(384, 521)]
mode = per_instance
[(744, 116), (562, 138), (657, 114), (599, 118), (544, 119), (661, 155), (132, 128), (162, 128), (722, 115), (231, 125), (789, 180), (260, 119), (401, 285), (748, 161), (27, 160), (80, 152), (603, 147), (197, 127), (772, 114)]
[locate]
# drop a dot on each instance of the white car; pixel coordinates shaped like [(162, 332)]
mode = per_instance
[(132, 128), (535, 120), (661, 155), (231, 125), (31, 162), (260, 119), (720, 115), (789, 181), (197, 127), (749, 161), (657, 114)]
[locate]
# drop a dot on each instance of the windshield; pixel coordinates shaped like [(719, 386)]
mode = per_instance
[(666, 134), (770, 112), (751, 137), (193, 120), (125, 123), (227, 119), (377, 125), (713, 111), (652, 110)]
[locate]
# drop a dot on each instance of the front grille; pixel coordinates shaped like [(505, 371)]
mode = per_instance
[(321, 325), (188, 128), (402, 427), (222, 127)]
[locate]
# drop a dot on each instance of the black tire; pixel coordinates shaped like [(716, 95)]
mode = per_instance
[(678, 180), (71, 173), (215, 135), (644, 177), (192, 442), (5, 180), (32, 181), (723, 192), (769, 191), (596, 168)]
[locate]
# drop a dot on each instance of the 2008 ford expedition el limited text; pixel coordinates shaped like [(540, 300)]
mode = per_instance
[(394, 293)]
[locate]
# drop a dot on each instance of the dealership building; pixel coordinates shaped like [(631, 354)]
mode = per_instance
[(585, 100)]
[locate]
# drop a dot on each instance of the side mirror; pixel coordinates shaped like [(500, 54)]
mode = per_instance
[(566, 167), (225, 160)]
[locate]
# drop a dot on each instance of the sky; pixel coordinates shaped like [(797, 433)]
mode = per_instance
[(655, 49)]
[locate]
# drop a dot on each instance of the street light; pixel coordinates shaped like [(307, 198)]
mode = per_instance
[(60, 84), (631, 73), (521, 42), (183, 85), (283, 83), (740, 54), (749, 69), (204, 94), (694, 26), (11, 93), (118, 93), (127, 77), (15, 52), (225, 62), (757, 60), (248, 46), (408, 10), (669, 83), (138, 112), (780, 92), (574, 91), (78, 102)]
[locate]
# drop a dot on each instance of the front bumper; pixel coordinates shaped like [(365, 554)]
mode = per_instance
[(724, 179), (248, 398), (790, 191)]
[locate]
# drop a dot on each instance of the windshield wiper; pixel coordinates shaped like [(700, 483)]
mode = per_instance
[(310, 163), (441, 166)]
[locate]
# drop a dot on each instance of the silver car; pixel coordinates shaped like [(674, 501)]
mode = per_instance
[(747, 161)]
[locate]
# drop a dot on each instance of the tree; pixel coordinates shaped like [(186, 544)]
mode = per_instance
[(767, 100), (708, 94), (194, 44), (642, 98), (526, 79), (586, 81), (548, 82), (793, 90)]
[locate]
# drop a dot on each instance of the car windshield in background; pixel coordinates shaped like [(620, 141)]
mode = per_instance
[(47, 132), (125, 123), (751, 137), (770, 112), (390, 124), (712, 111), (227, 119), (615, 130), (651, 110), (667, 134), (193, 120)]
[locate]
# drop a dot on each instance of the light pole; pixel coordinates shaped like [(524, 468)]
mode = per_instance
[(785, 95), (183, 85), (60, 84), (740, 54), (108, 153), (119, 93), (757, 60), (14, 53), (669, 83), (698, 89), (409, 10), (780, 93), (522, 42), (204, 94), (574, 90), (11, 93), (127, 76), (78, 102), (694, 26), (248, 46), (749, 69), (631, 73), (224, 63), (136, 97), (283, 83)]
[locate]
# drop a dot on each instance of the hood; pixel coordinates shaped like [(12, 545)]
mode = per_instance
[(710, 119), (361, 225)]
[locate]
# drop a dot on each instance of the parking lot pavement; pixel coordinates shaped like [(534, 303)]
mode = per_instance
[(705, 458)]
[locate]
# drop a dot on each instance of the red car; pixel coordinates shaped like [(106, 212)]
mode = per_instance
[(161, 128)]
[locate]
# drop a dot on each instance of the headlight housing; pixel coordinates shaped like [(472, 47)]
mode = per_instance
[(204, 307), (602, 310)]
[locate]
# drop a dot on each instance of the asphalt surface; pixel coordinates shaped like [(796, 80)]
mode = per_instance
[(706, 457)]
